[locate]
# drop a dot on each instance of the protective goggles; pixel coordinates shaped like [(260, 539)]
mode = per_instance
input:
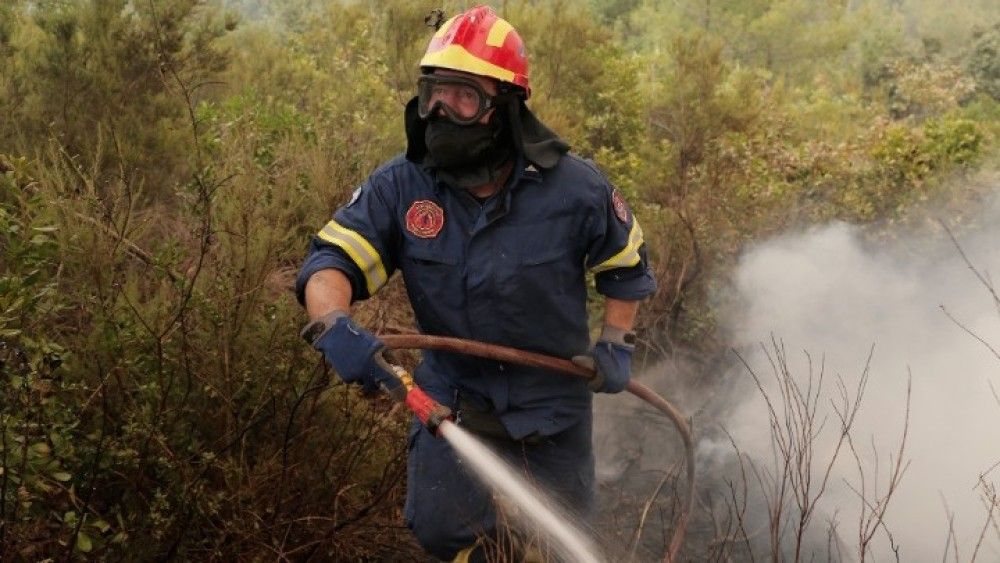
[(463, 100)]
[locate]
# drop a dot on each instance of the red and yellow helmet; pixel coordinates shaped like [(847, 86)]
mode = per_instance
[(477, 41)]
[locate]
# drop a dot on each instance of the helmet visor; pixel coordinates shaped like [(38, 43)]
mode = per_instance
[(461, 99)]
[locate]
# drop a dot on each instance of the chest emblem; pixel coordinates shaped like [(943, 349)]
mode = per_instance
[(621, 208), (424, 219)]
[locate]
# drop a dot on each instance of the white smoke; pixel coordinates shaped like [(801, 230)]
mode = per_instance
[(835, 295)]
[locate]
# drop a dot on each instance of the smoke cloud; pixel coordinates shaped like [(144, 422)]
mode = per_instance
[(834, 295)]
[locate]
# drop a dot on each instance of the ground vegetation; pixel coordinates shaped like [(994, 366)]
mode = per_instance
[(163, 164)]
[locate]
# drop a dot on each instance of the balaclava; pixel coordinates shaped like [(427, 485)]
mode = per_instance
[(466, 156)]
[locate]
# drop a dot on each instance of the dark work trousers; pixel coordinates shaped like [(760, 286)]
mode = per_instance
[(448, 508)]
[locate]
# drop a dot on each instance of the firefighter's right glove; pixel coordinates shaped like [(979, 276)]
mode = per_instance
[(611, 360), (349, 349)]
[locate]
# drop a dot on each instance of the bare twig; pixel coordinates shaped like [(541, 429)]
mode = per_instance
[(740, 505), (970, 332), (951, 542), (982, 279), (994, 391), (795, 422), (647, 506), (990, 499)]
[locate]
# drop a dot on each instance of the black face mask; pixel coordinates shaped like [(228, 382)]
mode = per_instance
[(466, 156), (451, 145)]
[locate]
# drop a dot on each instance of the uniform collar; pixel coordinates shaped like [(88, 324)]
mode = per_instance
[(523, 171)]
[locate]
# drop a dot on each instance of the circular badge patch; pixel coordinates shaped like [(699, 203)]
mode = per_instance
[(621, 208), (424, 219)]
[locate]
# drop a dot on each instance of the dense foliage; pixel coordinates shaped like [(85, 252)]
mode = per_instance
[(163, 163)]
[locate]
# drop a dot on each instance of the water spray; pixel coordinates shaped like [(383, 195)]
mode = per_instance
[(438, 417), (440, 420)]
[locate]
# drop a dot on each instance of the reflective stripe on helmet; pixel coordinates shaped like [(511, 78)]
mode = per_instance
[(498, 33), (457, 57), (361, 252)]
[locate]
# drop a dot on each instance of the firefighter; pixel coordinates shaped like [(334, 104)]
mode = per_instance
[(494, 226)]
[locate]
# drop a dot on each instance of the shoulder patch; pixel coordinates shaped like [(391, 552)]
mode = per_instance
[(621, 208), (424, 219)]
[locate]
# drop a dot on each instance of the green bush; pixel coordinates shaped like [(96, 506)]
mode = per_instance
[(952, 141)]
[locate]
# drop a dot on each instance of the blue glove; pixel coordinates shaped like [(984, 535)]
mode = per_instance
[(349, 349), (611, 360)]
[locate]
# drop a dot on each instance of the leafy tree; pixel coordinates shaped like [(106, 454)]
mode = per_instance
[(584, 85), (984, 62), (100, 79)]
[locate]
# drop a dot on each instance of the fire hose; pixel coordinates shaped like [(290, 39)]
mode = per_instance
[(432, 414)]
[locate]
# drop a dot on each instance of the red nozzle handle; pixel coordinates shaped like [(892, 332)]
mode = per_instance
[(428, 411), (402, 389)]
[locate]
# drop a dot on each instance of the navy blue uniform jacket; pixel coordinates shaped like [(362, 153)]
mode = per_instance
[(509, 271)]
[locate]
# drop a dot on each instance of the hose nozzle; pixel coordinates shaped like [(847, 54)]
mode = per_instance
[(427, 410), (403, 390)]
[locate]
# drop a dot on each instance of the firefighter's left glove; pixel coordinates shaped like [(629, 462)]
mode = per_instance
[(349, 349), (611, 360)]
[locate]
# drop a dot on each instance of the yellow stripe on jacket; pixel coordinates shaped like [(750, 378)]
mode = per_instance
[(626, 257), (361, 252)]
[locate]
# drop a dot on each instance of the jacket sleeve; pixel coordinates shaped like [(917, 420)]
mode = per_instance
[(617, 251), (360, 241)]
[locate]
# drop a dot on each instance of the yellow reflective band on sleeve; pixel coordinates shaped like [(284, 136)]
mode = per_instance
[(628, 256), (361, 252), (498, 32)]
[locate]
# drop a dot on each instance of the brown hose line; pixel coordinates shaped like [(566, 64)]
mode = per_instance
[(533, 359)]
